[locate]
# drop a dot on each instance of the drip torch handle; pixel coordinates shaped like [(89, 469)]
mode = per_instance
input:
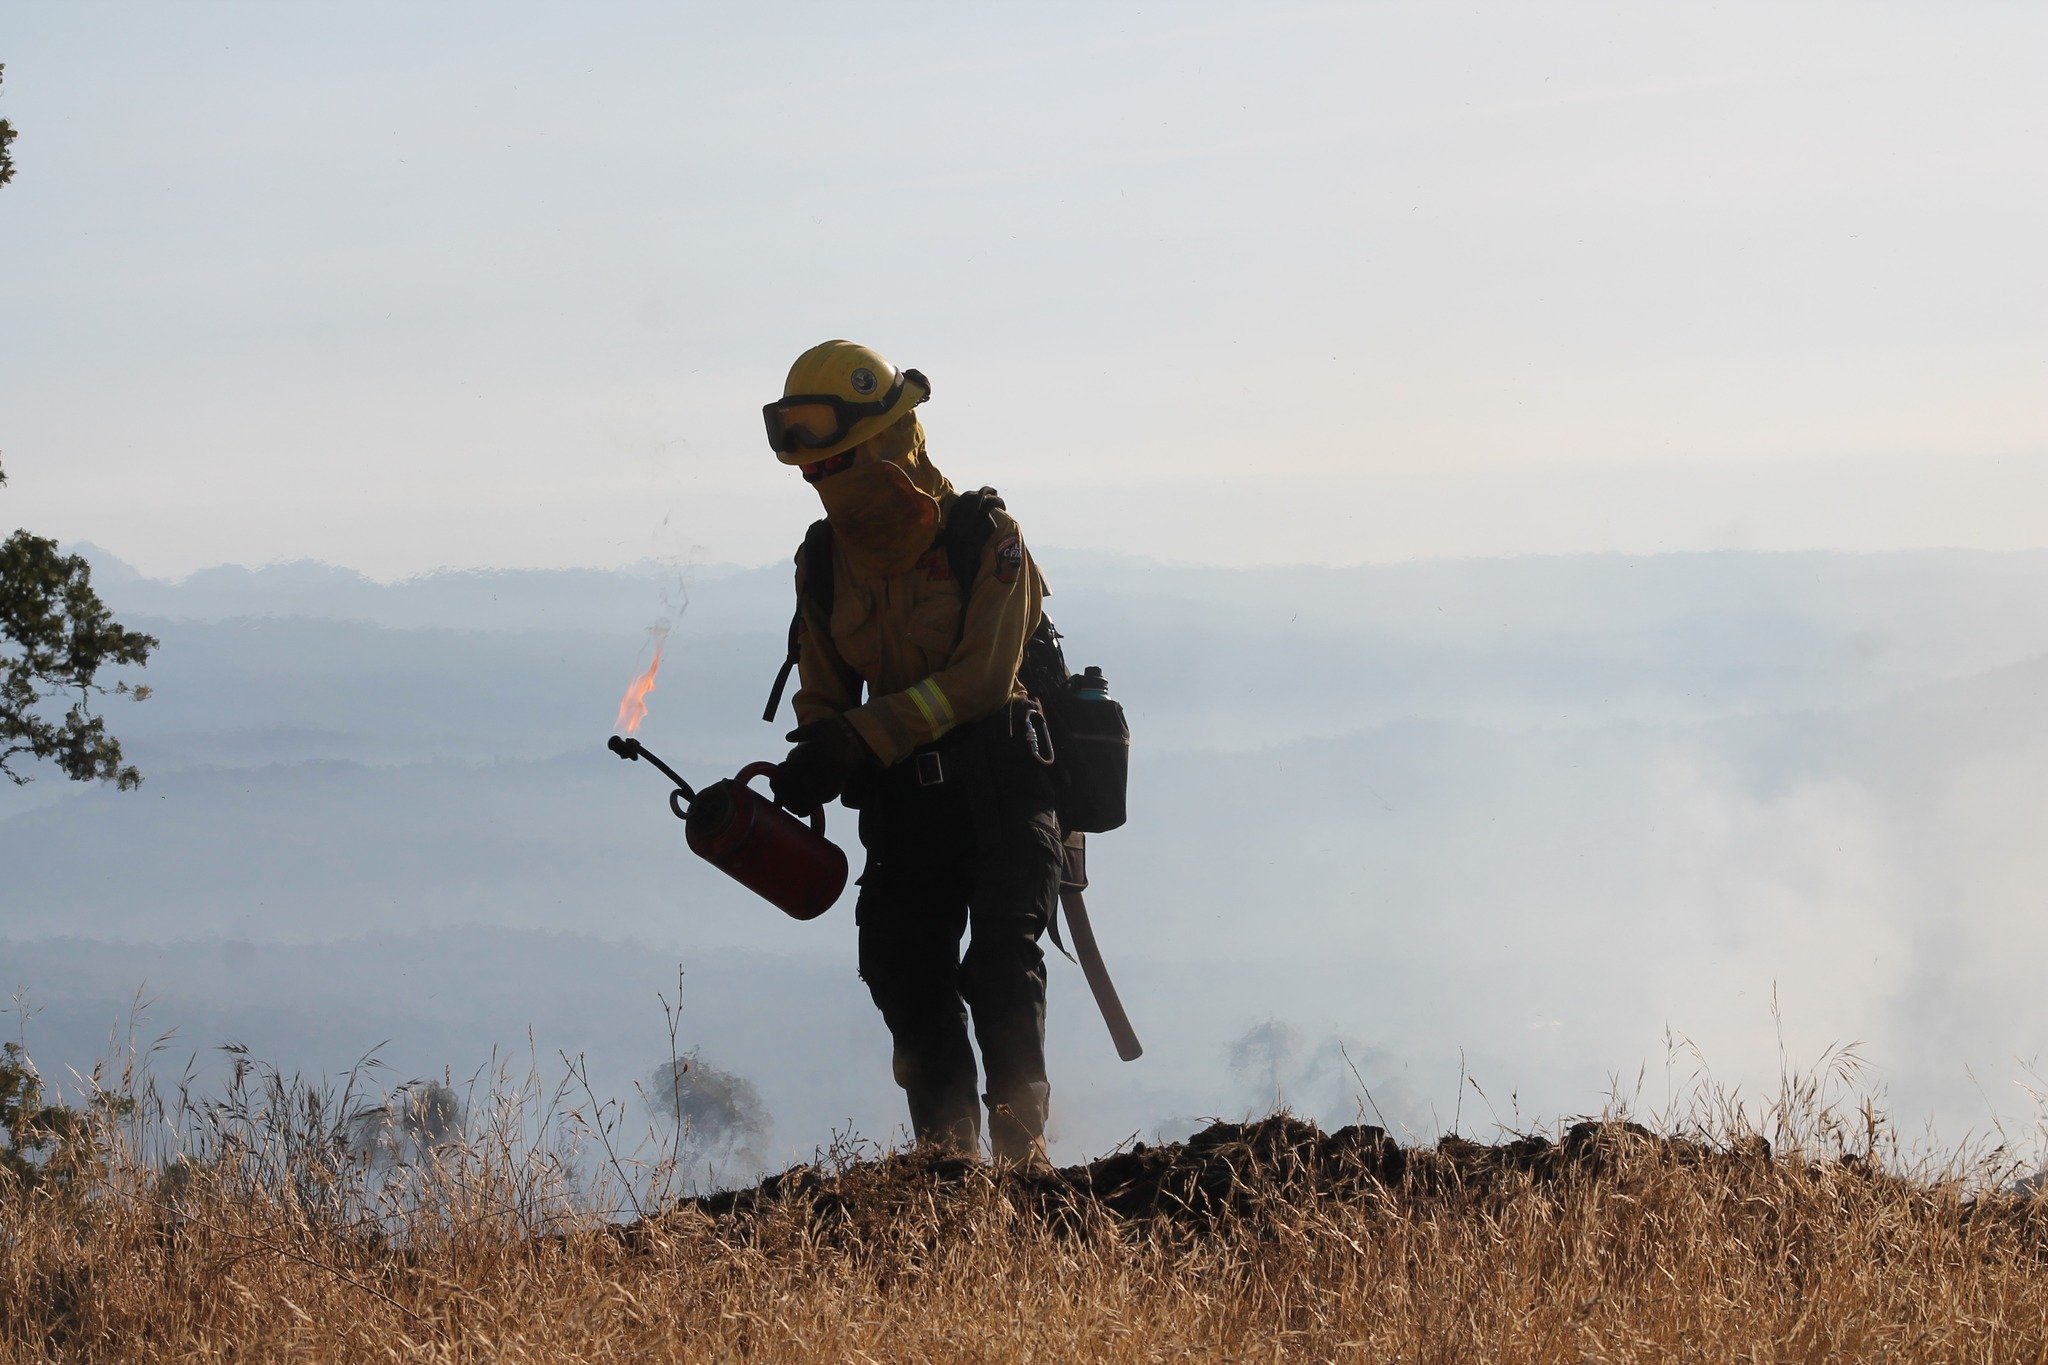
[(754, 770), (635, 750)]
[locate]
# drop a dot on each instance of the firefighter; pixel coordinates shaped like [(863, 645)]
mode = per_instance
[(956, 809)]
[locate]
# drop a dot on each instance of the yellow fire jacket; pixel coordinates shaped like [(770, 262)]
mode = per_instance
[(898, 633)]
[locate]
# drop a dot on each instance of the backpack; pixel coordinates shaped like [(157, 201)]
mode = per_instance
[(1090, 739)]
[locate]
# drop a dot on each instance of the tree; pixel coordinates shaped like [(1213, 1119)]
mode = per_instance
[(55, 637), (44, 1145), (714, 1108), (6, 140)]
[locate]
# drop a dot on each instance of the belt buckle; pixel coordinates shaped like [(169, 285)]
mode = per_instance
[(931, 769)]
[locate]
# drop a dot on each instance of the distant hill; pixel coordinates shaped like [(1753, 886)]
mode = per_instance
[(1532, 809), (308, 661)]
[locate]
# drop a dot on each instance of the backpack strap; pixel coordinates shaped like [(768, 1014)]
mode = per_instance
[(965, 534), (816, 558), (817, 562)]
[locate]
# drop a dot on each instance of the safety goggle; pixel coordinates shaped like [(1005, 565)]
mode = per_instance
[(807, 421)]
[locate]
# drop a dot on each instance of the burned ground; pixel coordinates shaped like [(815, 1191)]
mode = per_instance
[(1231, 1173)]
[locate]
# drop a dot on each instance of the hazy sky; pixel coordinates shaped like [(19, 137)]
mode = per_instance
[(400, 286)]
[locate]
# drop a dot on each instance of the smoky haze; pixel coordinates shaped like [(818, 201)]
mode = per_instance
[(1445, 843)]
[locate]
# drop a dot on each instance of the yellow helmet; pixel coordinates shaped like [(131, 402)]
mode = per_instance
[(837, 395)]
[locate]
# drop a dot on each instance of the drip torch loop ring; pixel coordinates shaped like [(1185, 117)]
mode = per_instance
[(679, 802)]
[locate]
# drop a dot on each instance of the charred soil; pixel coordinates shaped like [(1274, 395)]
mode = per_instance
[(1229, 1173)]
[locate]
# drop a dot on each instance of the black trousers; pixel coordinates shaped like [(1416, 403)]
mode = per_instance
[(977, 854)]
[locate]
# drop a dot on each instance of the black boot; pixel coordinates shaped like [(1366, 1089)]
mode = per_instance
[(1016, 1125), (948, 1119), (943, 1111)]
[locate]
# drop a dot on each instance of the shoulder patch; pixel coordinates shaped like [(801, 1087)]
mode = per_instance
[(1009, 558)]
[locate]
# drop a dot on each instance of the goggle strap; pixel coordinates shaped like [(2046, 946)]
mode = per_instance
[(787, 440), (825, 468)]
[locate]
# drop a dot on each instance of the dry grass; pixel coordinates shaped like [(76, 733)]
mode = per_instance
[(265, 1238)]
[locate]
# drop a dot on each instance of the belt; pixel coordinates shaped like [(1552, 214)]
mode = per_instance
[(920, 770), (954, 760), (939, 765)]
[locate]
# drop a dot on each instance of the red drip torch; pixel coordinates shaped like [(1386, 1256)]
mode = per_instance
[(752, 840)]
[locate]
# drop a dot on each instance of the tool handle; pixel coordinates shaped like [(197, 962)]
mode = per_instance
[(1120, 1031), (754, 770)]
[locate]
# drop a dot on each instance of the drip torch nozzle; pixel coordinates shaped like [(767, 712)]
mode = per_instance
[(634, 749)]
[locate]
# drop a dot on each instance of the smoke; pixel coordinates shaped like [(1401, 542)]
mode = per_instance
[(1807, 888), (1335, 1081), (1263, 1058), (720, 1113)]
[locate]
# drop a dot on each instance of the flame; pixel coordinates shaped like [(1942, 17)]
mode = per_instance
[(633, 706)]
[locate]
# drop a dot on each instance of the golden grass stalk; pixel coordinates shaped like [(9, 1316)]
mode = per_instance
[(261, 1233)]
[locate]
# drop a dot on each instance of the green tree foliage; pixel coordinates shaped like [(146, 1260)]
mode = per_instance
[(41, 1144), (6, 140), (55, 637)]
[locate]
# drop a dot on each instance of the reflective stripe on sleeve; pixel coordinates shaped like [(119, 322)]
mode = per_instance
[(931, 702)]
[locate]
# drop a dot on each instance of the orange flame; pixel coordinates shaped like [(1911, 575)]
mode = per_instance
[(633, 706)]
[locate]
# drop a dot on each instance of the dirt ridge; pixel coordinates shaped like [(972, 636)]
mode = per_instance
[(1225, 1171)]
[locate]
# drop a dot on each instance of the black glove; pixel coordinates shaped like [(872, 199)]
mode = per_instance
[(827, 753)]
